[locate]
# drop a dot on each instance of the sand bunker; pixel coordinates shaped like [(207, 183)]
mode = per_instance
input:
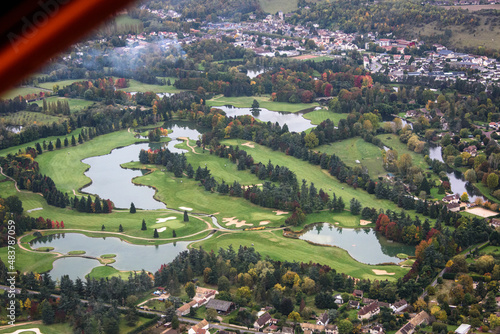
[(248, 144), (382, 272), (161, 229), (482, 212), (162, 220), (278, 212), (364, 222), (264, 222), (235, 222), (184, 208)]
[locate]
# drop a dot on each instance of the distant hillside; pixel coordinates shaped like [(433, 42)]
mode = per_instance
[(287, 6)]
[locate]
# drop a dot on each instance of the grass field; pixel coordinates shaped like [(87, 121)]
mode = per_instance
[(286, 6), (272, 244), (64, 166), (318, 116), (392, 141), (23, 91), (60, 83), (264, 102), (108, 271), (186, 192), (30, 261), (131, 223), (74, 104), (136, 86), (15, 149), (344, 219), (321, 178), (26, 118), (484, 35), (353, 149)]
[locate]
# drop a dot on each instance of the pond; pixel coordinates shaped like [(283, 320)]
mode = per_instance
[(457, 183), (110, 180), (128, 256), (364, 245), (294, 121)]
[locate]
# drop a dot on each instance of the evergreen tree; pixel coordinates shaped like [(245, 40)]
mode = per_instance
[(132, 208), (173, 234), (103, 227), (58, 143), (105, 206), (97, 205), (51, 146), (155, 234), (355, 206), (186, 217), (47, 312), (66, 143), (88, 208), (143, 227), (39, 148), (80, 139), (73, 140), (120, 228)]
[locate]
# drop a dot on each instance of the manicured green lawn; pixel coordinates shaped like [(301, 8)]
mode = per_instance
[(60, 83), (108, 272), (493, 250), (320, 178), (26, 118), (264, 102), (356, 149), (15, 149), (29, 261), (274, 245), (131, 223), (136, 86), (23, 91), (220, 168), (318, 116), (64, 166), (64, 328), (344, 219), (74, 104), (184, 192)]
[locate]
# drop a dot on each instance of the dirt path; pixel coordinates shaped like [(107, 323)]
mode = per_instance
[(187, 143), (15, 184)]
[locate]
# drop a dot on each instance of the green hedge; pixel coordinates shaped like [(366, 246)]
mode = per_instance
[(145, 325)]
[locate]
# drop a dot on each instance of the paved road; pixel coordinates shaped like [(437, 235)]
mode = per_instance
[(182, 319)]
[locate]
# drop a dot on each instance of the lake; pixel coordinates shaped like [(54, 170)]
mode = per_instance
[(363, 244), (110, 180), (294, 121), (128, 256)]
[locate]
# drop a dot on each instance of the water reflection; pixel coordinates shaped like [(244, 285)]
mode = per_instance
[(294, 121), (363, 244)]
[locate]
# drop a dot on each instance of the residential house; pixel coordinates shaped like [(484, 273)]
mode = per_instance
[(221, 306), (331, 329), (495, 222), (322, 319), (271, 329), (409, 327), (353, 304), (311, 328), (472, 150), (203, 295), (451, 198), (399, 306), (463, 329), (368, 311), (184, 309), (453, 207), (262, 321), (200, 328), (358, 293)]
